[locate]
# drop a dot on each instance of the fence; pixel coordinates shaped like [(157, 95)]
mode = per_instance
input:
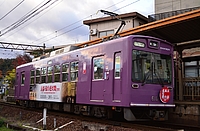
[(191, 89), (164, 15)]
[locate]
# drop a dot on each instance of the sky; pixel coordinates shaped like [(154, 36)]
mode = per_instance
[(57, 22)]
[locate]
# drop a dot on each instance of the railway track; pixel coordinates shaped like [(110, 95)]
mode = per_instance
[(89, 123)]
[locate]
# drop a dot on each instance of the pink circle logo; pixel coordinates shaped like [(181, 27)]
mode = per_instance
[(164, 95)]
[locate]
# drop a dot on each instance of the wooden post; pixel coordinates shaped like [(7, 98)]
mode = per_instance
[(180, 78)]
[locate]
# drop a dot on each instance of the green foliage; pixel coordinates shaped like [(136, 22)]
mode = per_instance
[(1, 122), (5, 65), (10, 78), (8, 66), (3, 128)]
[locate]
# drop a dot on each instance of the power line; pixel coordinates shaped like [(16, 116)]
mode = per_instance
[(72, 24), (29, 23), (23, 16), (63, 33), (82, 24), (12, 9), (76, 22), (126, 5), (2, 2), (28, 17)]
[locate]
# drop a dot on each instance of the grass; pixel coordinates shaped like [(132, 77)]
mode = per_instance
[(2, 127)]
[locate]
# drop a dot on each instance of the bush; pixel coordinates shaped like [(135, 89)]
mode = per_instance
[(1, 122)]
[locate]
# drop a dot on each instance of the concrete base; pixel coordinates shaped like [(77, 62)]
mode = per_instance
[(188, 114)]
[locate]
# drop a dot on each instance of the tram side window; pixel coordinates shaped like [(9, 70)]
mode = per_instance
[(98, 67), (65, 71), (37, 75), (32, 76), (56, 73), (117, 66), (74, 71), (43, 74), (49, 74), (22, 78)]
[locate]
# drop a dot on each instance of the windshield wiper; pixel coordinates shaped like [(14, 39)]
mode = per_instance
[(151, 73), (159, 78), (147, 75)]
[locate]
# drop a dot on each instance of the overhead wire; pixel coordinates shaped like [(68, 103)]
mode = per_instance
[(78, 22), (84, 19), (2, 2), (126, 5), (28, 17), (12, 10), (82, 24), (75, 22), (29, 23), (23, 16)]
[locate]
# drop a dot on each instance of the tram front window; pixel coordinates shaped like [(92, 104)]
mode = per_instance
[(151, 68)]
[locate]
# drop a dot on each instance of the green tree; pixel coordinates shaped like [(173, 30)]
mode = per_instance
[(10, 78), (5, 65)]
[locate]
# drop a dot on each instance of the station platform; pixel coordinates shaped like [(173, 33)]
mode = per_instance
[(185, 112)]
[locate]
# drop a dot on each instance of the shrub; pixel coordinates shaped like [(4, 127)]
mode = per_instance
[(1, 122)]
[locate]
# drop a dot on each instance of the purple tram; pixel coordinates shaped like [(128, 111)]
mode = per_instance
[(130, 76)]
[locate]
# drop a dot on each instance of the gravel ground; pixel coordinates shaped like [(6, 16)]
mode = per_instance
[(20, 117)]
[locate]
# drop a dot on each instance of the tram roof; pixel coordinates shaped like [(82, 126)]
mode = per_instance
[(181, 30)]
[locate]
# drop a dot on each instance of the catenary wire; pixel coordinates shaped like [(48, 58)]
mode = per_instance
[(2, 3), (82, 24), (23, 16), (75, 22), (29, 23), (12, 10), (29, 16)]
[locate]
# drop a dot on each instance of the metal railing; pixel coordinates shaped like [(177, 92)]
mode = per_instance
[(155, 17), (191, 89)]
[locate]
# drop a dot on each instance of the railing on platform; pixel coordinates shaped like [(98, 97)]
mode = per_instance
[(191, 89), (155, 17)]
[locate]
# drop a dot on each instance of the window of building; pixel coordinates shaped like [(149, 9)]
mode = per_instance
[(106, 33), (22, 78), (32, 76), (74, 71), (65, 71), (49, 74), (192, 69), (56, 73), (117, 65), (37, 75), (98, 67), (43, 74)]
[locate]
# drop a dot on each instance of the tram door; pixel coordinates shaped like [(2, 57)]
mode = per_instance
[(98, 83), (17, 89), (117, 77)]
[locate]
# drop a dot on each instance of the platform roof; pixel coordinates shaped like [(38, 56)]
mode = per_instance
[(182, 30)]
